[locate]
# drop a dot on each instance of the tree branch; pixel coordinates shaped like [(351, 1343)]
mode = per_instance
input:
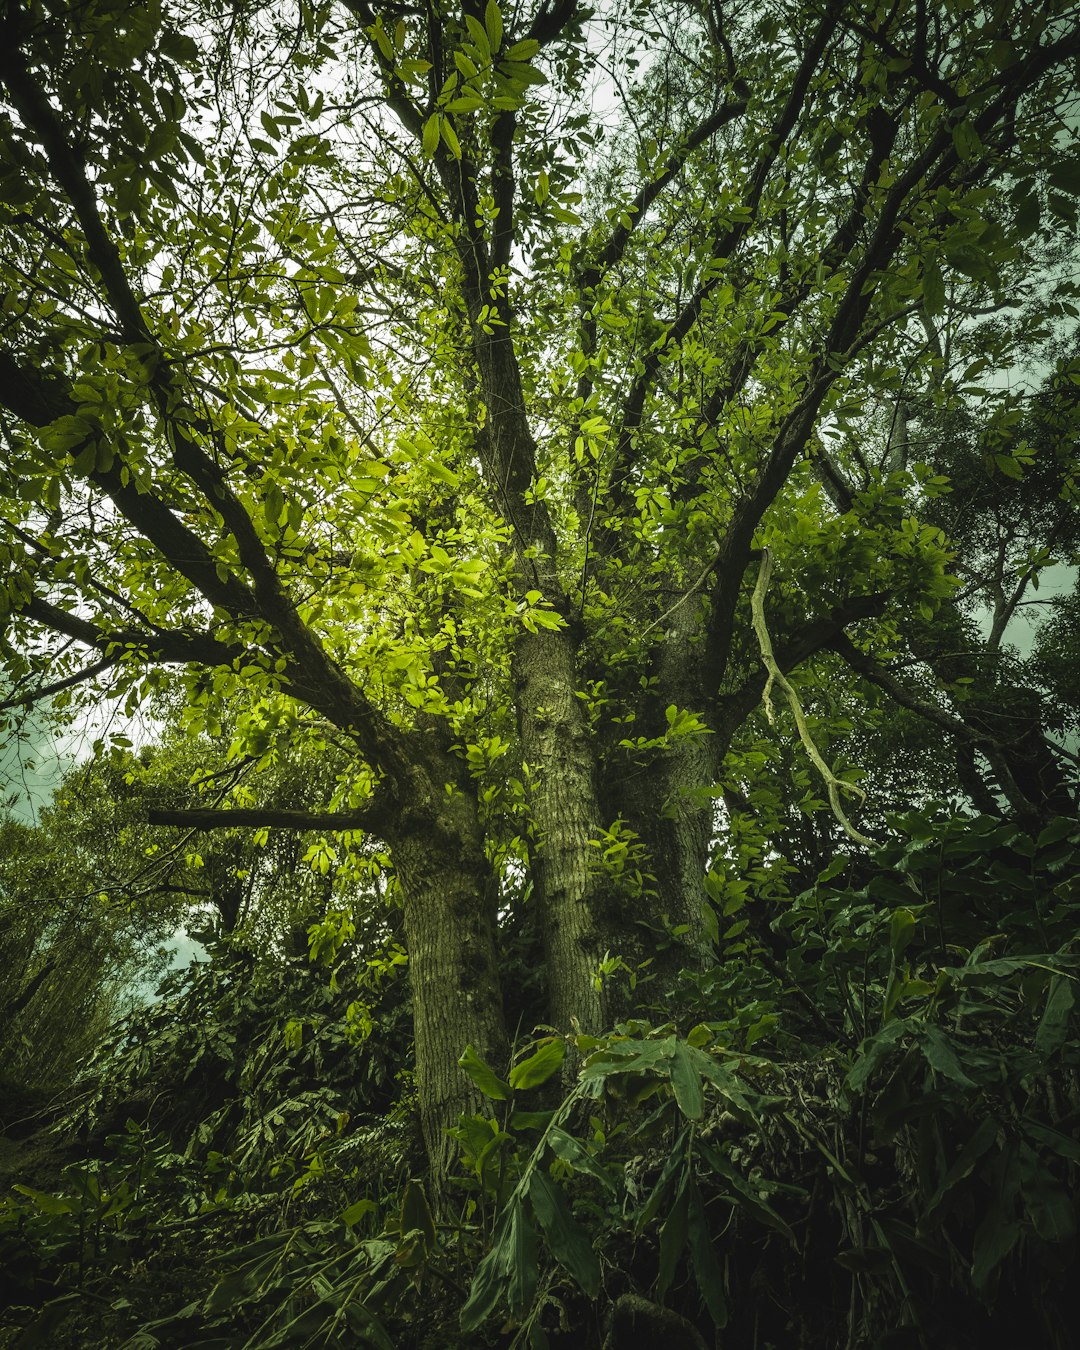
[(40, 397), (723, 247), (258, 817), (876, 673), (57, 686), (176, 647), (797, 647)]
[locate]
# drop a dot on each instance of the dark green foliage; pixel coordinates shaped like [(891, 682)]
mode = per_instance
[(897, 1166), (252, 1057)]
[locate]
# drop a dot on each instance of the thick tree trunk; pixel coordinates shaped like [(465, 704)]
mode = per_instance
[(669, 805), (670, 808), (557, 746), (449, 922)]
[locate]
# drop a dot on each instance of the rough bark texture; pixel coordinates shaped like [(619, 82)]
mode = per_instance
[(670, 809), (450, 932), (557, 746), (669, 805)]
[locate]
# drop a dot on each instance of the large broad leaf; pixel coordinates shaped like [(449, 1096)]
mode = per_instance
[(963, 1165), (630, 1056), (710, 1278), (572, 1151), (873, 1052), (686, 1080), (489, 1282), (484, 1076), (673, 1234), (1054, 1024), (1000, 1229), (519, 1261), (994, 1240), (1048, 1203), (538, 1068), (568, 1241), (940, 1053), (508, 1271), (416, 1213)]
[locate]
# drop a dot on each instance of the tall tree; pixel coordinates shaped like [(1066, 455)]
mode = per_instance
[(351, 365)]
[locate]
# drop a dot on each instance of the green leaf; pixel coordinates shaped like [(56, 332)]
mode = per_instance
[(901, 930), (940, 1053), (994, 1240), (710, 1278), (1054, 1023), (963, 1164), (484, 1076), (520, 1262), (48, 1204), (355, 1212), (969, 258), (686, 1081), (1049, 1205), (487, 1285), (1065, 176), (416, 1213), (673, 1234), (493, 24), (873, 1051), (538, 1068), (449, 136), (507, 1271), (572, 1151), (431, 135), (1058, 829), (933, 287), (568, 1241), (530, 1120)]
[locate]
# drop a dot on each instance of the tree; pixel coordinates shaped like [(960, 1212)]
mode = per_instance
[(352, 368), (75, 945)]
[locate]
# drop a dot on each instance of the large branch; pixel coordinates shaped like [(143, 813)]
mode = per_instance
[(794, 649), (40, 397), (45, 691), (311, 674), (259, 817), (885, 680), (615, 247), (177, 647), (272, 600), (549, 23)]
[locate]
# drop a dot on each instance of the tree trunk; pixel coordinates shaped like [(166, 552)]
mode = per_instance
[(449, 922), (670, 808), (669, 805), (557, 746)]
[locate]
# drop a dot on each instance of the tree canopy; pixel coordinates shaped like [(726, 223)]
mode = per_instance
[(568, 483), (585, 428)]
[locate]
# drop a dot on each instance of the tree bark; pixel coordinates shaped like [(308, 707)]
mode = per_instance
[(449, 923), (557, 746), (668, 805)]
